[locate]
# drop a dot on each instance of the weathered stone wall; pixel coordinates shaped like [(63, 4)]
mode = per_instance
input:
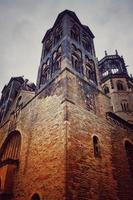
[(43, 148), (88, 177), (120, 164), (57, 155)]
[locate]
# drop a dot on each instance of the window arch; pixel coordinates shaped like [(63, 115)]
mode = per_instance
[(124, 106), (58, 33), (86, 43), (35, 197), (45, 74), (56, 59), (120, 85), (11, 147), (96, 146), (77, 59), (90, 69), (75, 33), (129, 152), (106, 90)]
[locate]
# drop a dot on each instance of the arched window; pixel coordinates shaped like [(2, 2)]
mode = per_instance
[(75, 33), (11, 147), (47, 46), (90, 69), (86, 43), (77, 59), (35, 197), (58, 33), (96, 146), (120, 85), (124, 106), (106, 90), (45, 72), (56, 59), (129, 152)]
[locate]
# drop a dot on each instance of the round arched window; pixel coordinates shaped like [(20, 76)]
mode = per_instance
[(129, 151), (35, 197), (120, 86)]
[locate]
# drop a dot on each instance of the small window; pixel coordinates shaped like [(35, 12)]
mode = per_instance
[(120, 86), (125, 106), (96, 146), (18, 104), (35, 197), (129, 152), (106, 90), (75, 33)]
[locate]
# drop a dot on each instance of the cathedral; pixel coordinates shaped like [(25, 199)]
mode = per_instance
[(70, 136)]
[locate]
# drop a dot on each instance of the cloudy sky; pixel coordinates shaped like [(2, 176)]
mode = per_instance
[(23, 24)]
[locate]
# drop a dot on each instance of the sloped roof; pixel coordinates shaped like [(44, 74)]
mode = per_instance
[(73, 15)]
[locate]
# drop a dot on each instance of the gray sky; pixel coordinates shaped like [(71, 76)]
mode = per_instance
[(23, 24)]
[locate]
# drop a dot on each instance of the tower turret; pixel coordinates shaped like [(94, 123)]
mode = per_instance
[(117, 84)]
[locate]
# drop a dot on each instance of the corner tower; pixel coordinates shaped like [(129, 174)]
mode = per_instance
[(117, 84)]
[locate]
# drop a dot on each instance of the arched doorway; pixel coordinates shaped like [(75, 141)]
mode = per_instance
[(129, 151), (9, 160), (35, 197)]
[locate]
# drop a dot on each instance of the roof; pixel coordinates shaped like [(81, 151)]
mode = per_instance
[(73, 15), (17, 78)]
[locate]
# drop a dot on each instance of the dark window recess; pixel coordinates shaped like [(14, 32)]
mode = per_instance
[(106, 90), (56, 60), (58, 34), (87, 45), (96, 147), (120, 86), (90, 69), (47, 47), (125, 107), (129, 152), (75, 33), (76, 59), (18, 104), (35, 197), (77, 64)]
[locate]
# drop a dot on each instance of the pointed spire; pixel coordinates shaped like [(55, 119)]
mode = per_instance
[(106, 53)]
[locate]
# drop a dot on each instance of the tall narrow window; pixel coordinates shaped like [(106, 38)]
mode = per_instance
[(96, 146), (45, 72), (90, 69), (124, 106), (129, 151), (75, 33), (56, 60), (58, 34), (106, 90), (86, 43), (77, 59), (35, 197), (120, 85)]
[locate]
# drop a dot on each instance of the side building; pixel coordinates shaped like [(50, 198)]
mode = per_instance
[(70, 137)]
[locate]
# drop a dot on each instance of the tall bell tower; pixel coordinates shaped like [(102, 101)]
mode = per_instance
[(67, 44)]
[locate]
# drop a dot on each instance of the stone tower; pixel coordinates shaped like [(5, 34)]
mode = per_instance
[(63, 140), (117, 84)]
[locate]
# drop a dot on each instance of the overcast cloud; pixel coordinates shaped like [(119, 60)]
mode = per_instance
[(23, 24)]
